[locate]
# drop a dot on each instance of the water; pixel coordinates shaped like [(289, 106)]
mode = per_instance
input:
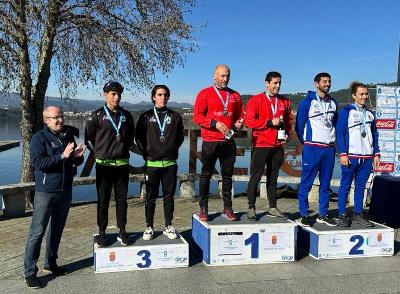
[(10, 162)]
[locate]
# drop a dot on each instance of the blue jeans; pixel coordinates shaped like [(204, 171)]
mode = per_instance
[(51, 207)]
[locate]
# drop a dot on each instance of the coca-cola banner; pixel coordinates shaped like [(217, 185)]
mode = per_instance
[(388, 125)]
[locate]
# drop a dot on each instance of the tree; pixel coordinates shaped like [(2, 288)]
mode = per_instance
[(83, 42)]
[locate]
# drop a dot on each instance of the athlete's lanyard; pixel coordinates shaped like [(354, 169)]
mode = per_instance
[(113, 123), (224, 103), (274, 108), (161, 127), (324, 110), (363, 118)]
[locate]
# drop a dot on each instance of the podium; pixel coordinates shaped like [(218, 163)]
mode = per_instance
[(323, 242), (224, 242), (161, 252)]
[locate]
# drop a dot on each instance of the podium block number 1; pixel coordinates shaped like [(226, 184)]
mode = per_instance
[(146, 261), (253, 241), (355, 250)]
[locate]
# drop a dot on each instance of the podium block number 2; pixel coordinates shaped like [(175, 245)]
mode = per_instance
[(355, 250), (253, 241), (146, 261)]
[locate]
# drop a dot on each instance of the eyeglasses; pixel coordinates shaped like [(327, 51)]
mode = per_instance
[(58, 117)]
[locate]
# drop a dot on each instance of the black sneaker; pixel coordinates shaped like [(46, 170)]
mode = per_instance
[(276, 212), (33, 282), (251, 214), (55, 270), (304, 221), (362, 220), (343, 221), (123, 238), (102, 240), (327, 221)]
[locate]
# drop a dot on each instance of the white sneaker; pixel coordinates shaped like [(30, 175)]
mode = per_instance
[(148, 234), (170, 232)]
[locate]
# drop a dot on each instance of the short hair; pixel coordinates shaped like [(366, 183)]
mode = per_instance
[(321, 75), (155, 88), (271, 75), (46, 110), (113, 86), (355, 85)]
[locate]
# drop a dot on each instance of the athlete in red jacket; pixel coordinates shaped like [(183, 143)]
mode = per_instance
[(266, 113), (218, 109)]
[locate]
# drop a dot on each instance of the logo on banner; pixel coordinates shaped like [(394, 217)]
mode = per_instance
[(387, 135), (111, 256), (388, 124), (386, 113), (181, 259), (385, 167), (274, 239)]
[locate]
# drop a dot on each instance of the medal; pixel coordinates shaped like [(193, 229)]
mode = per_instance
[(161, 127), (363, 134), (327, 123), (224, 103), (325, 109), (116, 128)]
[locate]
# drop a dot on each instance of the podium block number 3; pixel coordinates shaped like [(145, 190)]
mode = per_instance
[(355, 250), (146, 261), (253, 241)]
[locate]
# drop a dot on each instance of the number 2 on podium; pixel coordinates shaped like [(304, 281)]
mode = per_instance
[(253, 241), (355, 250)]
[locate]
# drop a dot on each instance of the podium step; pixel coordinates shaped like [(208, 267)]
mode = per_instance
[(224, 242), (160, 252)]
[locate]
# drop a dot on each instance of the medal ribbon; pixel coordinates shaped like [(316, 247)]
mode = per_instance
[(363, 117), (112, 121), (224, 103), (273, 107), (162, 128), (324, 109)]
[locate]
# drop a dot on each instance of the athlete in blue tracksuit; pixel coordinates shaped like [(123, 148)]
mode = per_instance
[(357, 140), (315, 127)]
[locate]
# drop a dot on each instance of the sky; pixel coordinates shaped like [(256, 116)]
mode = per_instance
[(350, 39)]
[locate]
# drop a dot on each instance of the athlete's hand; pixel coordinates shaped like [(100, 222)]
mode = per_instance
[(377, 161), (344, 160), (239, 124), (275, 121), (222, 127)]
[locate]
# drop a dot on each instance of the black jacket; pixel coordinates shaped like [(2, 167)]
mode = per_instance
[(147, 135), (53, 174), (100, 135)]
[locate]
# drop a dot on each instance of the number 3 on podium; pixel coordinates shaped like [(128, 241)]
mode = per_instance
[(146, 261)]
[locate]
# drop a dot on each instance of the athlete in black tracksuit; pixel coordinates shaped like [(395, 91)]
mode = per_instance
[(110, 134), (159, 143)]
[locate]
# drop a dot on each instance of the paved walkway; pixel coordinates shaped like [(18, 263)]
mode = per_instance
[(367, 275)]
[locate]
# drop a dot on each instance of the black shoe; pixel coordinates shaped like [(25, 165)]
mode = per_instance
[(33, 282), (102, 240), (123, 238), (55, 270), (276, 212), (343, 221), (327, 221), (251, 214), (362, 220), (304, 221)]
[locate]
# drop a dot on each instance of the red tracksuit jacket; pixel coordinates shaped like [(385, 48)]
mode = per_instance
[(208, 109), (259, 112)]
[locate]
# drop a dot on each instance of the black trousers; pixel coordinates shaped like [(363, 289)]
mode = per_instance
[(167, 177), (225, 152), (108, 177), (261, 156)]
